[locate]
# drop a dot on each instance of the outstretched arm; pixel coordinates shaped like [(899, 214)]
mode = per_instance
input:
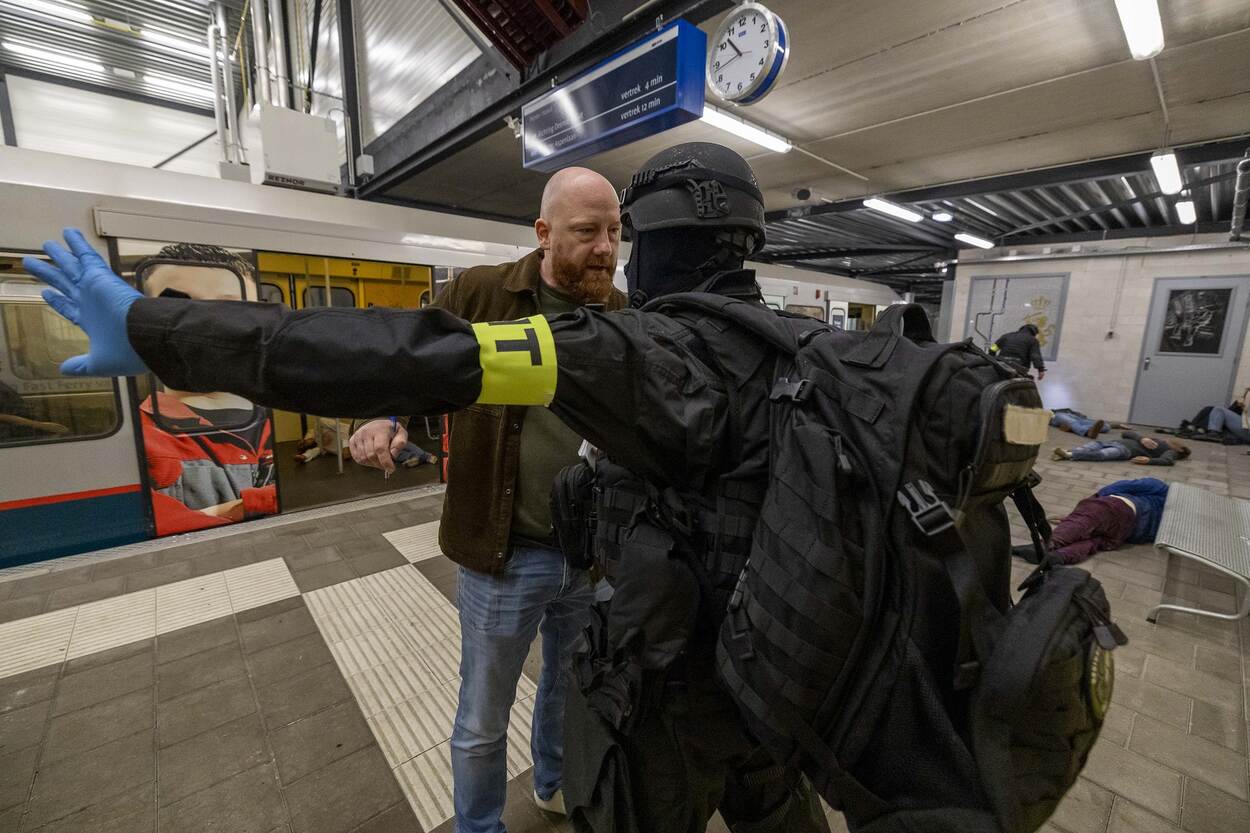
[(628, 382), (347, 362)]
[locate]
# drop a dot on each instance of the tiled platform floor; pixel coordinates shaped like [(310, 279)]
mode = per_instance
[(282, 717)]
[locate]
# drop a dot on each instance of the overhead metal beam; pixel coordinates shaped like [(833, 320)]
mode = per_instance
[(858, 251), (351, 90), (1134, 163), (6, 114), (75, 84), (473, 104), (1095, 210), (189, 147), (1110, 234)]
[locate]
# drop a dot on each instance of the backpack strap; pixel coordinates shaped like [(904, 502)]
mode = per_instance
[(1034, 515), (934, 519), (777, 330), (898, 321)]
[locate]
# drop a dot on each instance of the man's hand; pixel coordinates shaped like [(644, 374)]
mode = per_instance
[(1149, 443), (1041, 374), (1142, 461), (373, 444), (87, 293)]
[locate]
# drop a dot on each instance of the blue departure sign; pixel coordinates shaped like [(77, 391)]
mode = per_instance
[(642, 90)]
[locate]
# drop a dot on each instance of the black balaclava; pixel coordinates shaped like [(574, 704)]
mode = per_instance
[(670, 260)]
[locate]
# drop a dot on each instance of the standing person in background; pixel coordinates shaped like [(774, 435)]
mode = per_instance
[(1021, 349), (496, 520)]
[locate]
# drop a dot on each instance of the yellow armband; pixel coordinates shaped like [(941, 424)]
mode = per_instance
[(518, 360)]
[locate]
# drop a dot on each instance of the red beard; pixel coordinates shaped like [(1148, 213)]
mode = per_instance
[(583, 284)]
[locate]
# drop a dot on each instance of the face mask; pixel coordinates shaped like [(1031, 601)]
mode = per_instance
[(669, 260)]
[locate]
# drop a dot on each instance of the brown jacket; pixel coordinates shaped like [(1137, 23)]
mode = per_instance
[(485, 441)]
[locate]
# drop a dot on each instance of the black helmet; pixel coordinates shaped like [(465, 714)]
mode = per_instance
[(1031, 329), (700, 185)]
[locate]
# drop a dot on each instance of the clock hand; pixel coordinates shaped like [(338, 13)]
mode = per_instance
[(735, 47)]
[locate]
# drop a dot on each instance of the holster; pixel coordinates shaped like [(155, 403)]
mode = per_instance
[(573, 514)]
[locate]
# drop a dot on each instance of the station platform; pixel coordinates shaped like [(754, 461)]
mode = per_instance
[(299, 675)]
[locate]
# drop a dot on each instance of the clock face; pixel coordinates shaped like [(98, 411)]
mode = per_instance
[(746, 54)]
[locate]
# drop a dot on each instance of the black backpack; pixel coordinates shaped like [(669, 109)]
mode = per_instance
[(871, 639)]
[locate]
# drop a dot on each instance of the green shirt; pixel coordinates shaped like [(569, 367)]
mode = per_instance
[(547, 445)]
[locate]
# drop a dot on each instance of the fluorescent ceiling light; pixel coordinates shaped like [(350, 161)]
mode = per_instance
[(1142, 27), (31, 51), (1185, 212), (745, 130), (56, 10), (943, 216), (973, 240), (176, 85), (1167, 172), (887, 207)]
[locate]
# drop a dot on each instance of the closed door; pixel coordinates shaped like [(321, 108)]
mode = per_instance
[(1193, 340)]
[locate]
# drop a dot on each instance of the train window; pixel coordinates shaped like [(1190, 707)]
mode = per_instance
[(315, 296), (271, 293), (806, 309), (37, 403)]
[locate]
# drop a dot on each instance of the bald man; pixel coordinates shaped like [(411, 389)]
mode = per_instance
[(496, 523)]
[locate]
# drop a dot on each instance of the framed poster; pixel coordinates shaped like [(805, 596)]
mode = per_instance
[(998, 305), (1195, 321)]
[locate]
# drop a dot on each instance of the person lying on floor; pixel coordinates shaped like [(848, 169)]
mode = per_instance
[(1144, 451), (1217, 423), (1125, 512), (1075, 422)]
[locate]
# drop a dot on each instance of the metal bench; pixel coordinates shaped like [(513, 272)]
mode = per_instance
[(1211, 529)]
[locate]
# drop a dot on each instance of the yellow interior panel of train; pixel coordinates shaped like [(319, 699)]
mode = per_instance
[(303, 281)]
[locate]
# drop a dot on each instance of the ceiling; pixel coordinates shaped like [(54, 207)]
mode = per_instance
[(150, 49), (913, 94), (941, 104)]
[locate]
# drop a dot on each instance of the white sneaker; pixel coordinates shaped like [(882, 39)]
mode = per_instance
[(555, 804)]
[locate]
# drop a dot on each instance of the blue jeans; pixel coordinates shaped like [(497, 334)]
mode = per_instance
[(1228, 421), (412, 450), (1075, 424), (499, 616), (1102, 452)]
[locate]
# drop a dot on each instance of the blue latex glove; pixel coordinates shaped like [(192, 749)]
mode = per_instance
[(88, 293)]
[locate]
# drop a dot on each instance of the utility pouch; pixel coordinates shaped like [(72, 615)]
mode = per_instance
[(573, 514)]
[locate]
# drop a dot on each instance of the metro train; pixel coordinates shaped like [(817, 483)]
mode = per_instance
[(86, 463)]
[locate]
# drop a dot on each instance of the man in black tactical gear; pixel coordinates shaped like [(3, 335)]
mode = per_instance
[(653, 736), (677, 401), (1021, 349)]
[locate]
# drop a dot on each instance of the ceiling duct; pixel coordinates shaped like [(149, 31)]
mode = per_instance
[(1241, 194), (524, 29)]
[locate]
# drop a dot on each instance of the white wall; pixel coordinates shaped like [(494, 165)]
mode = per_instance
[(1094, 373), (60, 119)]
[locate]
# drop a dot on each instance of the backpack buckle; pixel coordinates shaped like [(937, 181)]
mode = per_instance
[(794, 391), (928, 512)]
